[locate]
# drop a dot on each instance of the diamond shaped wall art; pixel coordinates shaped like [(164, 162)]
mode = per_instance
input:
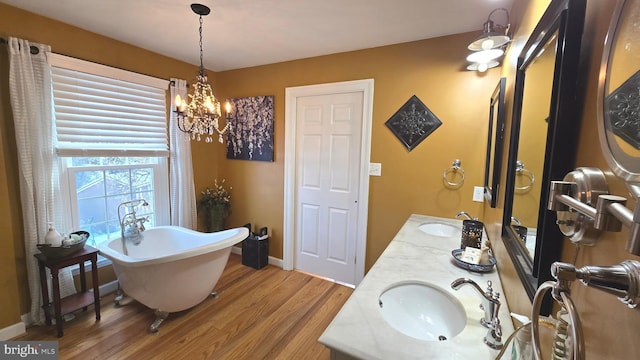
[(413, 122), (622, 107)]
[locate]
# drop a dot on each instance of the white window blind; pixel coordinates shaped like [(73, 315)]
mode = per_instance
[(103, 111)]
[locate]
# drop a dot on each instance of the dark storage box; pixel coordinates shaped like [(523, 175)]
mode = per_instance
[(255, 248)]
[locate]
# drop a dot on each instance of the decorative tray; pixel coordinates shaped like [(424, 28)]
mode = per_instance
[(482, 267), (55, 252)]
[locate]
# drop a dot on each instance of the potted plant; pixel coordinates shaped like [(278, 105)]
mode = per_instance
[(216, 204)]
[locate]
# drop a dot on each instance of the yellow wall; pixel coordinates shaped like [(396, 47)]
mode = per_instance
[(610, 327), (9, 280)]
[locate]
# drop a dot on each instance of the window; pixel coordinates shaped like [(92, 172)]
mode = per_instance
[(97, 185), (112, 143)]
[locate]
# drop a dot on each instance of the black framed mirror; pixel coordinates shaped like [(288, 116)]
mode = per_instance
[(545, 122), (495, 143)]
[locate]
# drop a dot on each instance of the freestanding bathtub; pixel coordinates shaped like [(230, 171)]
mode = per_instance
[(172, 268)]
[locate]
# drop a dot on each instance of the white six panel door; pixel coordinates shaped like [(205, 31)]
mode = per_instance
[(327, 168)]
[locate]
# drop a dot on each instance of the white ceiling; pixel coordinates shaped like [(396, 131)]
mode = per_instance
[(244, 33)]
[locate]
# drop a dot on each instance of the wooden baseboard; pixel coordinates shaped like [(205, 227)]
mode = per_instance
[(12, 331)]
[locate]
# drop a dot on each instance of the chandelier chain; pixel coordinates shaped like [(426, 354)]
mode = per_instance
[(200, 31)]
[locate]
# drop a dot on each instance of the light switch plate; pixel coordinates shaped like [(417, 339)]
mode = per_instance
[(375, 169), (478, 193)]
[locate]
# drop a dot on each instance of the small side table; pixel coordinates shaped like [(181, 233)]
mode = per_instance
[(83, 298)]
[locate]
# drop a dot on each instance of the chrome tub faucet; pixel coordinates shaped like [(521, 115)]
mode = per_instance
[(130, 225)]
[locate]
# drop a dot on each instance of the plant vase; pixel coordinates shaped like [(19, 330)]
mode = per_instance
[(216, 215)]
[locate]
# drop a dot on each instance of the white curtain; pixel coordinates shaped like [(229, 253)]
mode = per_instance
[(183, 197), (31, 103)]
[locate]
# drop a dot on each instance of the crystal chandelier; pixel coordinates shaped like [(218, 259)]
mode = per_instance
[(200, 116)]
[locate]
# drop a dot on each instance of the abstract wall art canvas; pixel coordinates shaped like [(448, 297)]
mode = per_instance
[(250, 134)]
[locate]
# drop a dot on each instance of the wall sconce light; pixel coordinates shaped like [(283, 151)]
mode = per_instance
[(482, 67), (490, 45)]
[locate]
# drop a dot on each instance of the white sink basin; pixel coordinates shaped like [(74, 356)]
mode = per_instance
[(440, 229), (422, 311)]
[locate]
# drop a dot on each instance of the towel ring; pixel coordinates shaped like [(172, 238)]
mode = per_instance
[(564, 298), (453, 169), (520, 170)]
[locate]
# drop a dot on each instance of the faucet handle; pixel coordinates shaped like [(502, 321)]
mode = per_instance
[(491, 294), (489, 290), (140, 223)]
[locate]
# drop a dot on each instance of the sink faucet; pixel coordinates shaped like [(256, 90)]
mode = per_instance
[(130, 225), (465, 214), (491, 306)]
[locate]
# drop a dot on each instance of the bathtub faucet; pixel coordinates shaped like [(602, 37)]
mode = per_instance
[(130, 225), (141, 222)]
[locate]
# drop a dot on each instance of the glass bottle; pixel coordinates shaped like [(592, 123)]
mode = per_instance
[(53, 237)]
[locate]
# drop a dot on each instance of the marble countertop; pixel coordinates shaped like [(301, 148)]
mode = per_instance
[(359, 330)]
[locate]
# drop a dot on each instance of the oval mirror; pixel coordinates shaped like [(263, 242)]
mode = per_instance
[(619, 93)]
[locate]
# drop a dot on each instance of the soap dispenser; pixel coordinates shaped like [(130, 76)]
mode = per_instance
[(53, 237), (472, 230), (522, 348)]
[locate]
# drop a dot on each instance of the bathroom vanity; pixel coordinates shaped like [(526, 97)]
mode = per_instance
[(361, 331)]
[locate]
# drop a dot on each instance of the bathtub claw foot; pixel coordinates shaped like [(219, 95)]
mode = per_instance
[(214, 294), (160, 316), (119, 296)]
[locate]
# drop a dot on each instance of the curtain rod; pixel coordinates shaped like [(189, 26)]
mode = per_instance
[(32, 49), (35, 50)]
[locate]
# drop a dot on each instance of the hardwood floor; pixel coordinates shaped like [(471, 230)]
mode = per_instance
[(258, 314)]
